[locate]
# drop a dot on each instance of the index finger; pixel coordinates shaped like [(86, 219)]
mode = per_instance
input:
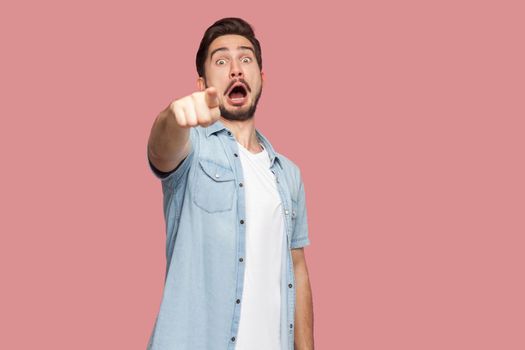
[(212, 100)]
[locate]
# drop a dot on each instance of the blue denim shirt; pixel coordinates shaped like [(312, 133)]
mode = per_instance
[(204, 210)]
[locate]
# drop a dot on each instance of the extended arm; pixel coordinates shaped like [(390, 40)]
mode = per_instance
[(169, 140)]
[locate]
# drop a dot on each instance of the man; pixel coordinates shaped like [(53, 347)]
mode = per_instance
[(235, 211)]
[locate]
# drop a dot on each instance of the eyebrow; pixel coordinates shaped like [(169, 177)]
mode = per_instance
[(226, 49)]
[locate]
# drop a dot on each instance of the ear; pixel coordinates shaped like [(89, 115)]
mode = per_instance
[(262, 78), (201, 86)]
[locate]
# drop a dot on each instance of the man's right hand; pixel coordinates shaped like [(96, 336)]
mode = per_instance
[(169, 141), (199, 108)]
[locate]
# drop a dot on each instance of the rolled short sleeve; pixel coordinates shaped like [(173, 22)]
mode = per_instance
[(300, 236), (172, 178)]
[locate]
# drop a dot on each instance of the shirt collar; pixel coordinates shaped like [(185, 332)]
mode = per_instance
[(219, 126)]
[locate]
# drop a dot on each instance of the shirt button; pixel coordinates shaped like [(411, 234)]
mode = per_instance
[(235, 154), (242, 221), (286, 212), (241, 259), (233, 338), (238, 301), (290, 285), (229, 133), (240, 184), (291, 325), (217, 175)]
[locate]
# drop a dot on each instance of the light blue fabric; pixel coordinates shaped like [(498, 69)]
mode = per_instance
[(204, 209)]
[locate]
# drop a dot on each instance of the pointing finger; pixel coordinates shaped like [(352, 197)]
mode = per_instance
[(212, 100)]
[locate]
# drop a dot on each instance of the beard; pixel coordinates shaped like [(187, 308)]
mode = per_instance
[(240, 115)]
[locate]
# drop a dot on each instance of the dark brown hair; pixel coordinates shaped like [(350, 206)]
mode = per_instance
[(226, 26)]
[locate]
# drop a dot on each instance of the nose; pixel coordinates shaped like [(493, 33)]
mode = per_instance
[(236, 71)]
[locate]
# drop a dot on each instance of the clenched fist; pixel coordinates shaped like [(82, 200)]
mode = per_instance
[(200, 108)]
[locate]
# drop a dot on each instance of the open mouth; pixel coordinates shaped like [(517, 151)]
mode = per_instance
[(238, 95)]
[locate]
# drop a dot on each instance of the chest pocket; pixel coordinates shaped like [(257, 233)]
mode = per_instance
[(214, 187)]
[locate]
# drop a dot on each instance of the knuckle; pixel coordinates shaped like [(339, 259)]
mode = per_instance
[(196, 95), (182, 122), (204, 120), (174, 105)]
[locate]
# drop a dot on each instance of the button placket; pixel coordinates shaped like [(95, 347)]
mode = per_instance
[(238, 166), (289, 216)]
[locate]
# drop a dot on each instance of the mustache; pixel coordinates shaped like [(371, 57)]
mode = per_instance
[(240, 80)]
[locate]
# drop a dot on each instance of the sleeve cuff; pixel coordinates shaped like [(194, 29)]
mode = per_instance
[(300, 243)]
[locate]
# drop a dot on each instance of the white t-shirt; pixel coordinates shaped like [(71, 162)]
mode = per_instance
[(259, 325)]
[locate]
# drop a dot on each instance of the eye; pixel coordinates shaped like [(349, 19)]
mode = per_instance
[(220, 61), (246, 59)]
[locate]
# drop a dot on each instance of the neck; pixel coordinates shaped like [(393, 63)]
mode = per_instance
[(244, 132)]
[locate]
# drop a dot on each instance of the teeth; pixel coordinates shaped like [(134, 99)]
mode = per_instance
[(237, 99)]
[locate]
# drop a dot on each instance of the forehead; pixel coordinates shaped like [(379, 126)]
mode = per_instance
[(230, 41)]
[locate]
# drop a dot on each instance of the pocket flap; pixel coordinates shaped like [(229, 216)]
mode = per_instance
[(215, 171)]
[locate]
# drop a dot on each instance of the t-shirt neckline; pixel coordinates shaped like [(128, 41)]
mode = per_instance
[(258, 154)]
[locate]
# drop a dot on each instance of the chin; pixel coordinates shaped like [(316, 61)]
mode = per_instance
[(241, 114)]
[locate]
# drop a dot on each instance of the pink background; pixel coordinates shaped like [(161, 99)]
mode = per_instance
[(406, 118)]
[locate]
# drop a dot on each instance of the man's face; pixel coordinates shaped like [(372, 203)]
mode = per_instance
[(231, 67)]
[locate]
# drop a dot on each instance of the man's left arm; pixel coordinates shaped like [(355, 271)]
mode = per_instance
[(304, 315)]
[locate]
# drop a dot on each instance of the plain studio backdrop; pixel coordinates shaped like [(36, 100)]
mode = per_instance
[(406, 119)]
